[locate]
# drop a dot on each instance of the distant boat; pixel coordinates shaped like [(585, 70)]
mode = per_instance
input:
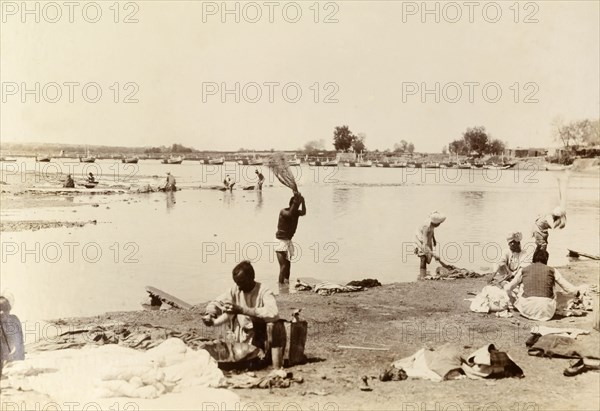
[(8, 160), (431, 164), (331, 163), (217, 161), (362, 163), (45, 159), (384, 165), (255, 162), (87, 158), (173, 160), (294, 162), (496, 167), (243, 162), (130, 160), (398, 164)]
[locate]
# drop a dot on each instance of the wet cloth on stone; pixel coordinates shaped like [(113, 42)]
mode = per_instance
[(488, 362), (490, 299), (452, 273), (553, 345), (275, 379), (100, 373)]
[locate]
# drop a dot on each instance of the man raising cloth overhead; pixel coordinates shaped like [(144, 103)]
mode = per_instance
[(286, 228)]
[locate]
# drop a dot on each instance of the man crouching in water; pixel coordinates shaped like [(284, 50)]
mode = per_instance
[(248, 305), (286, 228)]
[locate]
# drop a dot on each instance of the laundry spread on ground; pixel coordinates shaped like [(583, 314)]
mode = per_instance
[(329, 288), (141, 337), (447, 363), (102, 373), (449, 272)]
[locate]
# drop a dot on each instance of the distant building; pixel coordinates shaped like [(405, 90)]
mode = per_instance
[(520, 152)]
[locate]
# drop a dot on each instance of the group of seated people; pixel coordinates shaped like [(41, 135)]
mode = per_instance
[(529, 281)]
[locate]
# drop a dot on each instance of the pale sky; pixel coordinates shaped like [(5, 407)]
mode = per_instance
[(172, 55)]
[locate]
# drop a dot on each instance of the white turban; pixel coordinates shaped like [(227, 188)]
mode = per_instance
[(516, 236), (559, 212), (437, 218)]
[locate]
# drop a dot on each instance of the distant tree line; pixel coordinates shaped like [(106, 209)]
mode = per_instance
[(478, 142)]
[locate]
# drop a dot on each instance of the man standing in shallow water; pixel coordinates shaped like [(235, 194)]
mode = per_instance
[(426, 239), (286, 228)]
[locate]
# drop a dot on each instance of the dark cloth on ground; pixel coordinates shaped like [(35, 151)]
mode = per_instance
[(366, 283), (275, 379), (552, 345)]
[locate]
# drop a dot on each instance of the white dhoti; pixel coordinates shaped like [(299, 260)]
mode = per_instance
[(287, 247), (536, 308)]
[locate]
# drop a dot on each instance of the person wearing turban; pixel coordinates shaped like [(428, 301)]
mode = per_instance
[(512, 261), (555, 220), (425, 239)]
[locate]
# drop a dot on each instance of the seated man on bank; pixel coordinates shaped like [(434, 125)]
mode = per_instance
[(536, 299), (248, 306), (513, 260)]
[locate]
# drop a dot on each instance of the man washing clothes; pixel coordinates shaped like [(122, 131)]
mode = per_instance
[(425, 239), (512, 261)]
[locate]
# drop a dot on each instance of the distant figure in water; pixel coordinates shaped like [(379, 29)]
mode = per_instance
[(228, 183), (170, 185), (69, 183), (556, 220), (426, 239), (90, 178), (286, 228), (261, 180)]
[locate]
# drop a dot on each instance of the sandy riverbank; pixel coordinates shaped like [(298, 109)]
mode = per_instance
[(402, 318)]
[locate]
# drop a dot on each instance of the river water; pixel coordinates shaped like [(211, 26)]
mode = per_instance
[(360, 223)]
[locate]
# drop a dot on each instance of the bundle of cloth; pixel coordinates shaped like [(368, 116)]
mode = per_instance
[(329, 288), (447, 363), (450, 272), (171, 371), (223, 350), (491, 299)]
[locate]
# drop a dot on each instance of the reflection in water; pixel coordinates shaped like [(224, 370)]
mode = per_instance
[(170, 200), (259, 200), (471, 197), (228, 198), (343, 198)]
